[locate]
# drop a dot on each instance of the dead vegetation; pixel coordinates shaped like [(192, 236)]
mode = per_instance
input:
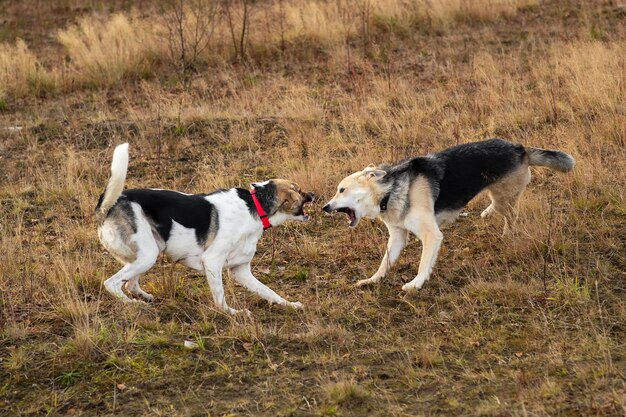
[(312, 90)]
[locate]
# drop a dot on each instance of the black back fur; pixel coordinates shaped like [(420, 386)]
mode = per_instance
[(163, 206), (459, 173)]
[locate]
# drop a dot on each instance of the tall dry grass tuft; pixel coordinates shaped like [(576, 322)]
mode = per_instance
[(442, 14), (77, 311), (593, 75), (103, 53), (345, 392), (21, 73), (327, 23), (333, 23)]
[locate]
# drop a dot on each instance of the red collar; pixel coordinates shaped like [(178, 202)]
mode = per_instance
[(259, 210)]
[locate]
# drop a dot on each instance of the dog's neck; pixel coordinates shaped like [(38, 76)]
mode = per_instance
[(383, 194), (384, 201), (266, 194)]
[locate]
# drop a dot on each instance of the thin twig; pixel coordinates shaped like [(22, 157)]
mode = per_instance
[(548, 245)]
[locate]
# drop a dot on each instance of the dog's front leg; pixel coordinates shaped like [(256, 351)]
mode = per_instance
[(397, 241), (213, 270), (243, 275), (431, 238)]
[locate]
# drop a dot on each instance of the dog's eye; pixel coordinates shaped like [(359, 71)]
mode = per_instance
[(341, 190)]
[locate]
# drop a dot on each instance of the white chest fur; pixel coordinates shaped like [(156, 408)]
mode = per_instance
[(238, 231)]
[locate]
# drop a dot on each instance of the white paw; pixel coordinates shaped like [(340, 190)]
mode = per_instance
[(148, 297), (296, 304), (368, 281), (123, 297), (413, 285), (235, 312), (244, 312)]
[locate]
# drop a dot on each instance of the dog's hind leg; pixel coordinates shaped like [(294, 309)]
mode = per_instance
[(489, 210), (505, 195), (114, 284), (133, 287), (133, 284), (146, 250), (397, 241), (508, 209), (144, 261), (243, 275)]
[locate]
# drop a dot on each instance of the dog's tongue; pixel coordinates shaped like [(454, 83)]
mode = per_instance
[(352, 216)]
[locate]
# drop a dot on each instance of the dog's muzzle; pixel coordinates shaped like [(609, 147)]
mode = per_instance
[(350, 212)]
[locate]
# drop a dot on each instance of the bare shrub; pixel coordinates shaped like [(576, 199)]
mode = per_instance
[(190, 26), (238, 15)]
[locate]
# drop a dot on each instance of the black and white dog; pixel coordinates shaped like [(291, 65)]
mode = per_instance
[(206, 232), (422, 194)]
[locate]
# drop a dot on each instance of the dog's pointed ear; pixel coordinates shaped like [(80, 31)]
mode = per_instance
[(375, 174), (370, 166)]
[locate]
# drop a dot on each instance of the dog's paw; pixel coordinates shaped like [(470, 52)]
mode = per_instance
[(234, 312), (136, 302), (244, 312), (414, 285), (487, 212), (296, 305), (365, 282)]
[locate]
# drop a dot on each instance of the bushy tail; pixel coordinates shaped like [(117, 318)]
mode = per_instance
[(557, 160), (113, 190)]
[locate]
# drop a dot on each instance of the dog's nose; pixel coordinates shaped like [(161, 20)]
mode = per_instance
[(310, 197), (326, 208)]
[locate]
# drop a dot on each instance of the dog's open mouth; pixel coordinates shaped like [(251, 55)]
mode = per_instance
[(351, 214), (307, 201)]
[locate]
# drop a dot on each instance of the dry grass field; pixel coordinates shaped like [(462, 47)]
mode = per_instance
[(221, 94)]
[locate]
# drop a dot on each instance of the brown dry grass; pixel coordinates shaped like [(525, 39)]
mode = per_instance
[(532, 326), (21, 72), (104, 52)]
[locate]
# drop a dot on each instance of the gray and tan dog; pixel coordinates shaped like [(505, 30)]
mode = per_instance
[(423, 194)]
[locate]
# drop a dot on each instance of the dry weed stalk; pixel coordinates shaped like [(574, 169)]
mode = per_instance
[(190, 26)]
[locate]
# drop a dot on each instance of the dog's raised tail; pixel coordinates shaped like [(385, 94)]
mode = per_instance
[(115, 186), (556, 160)]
